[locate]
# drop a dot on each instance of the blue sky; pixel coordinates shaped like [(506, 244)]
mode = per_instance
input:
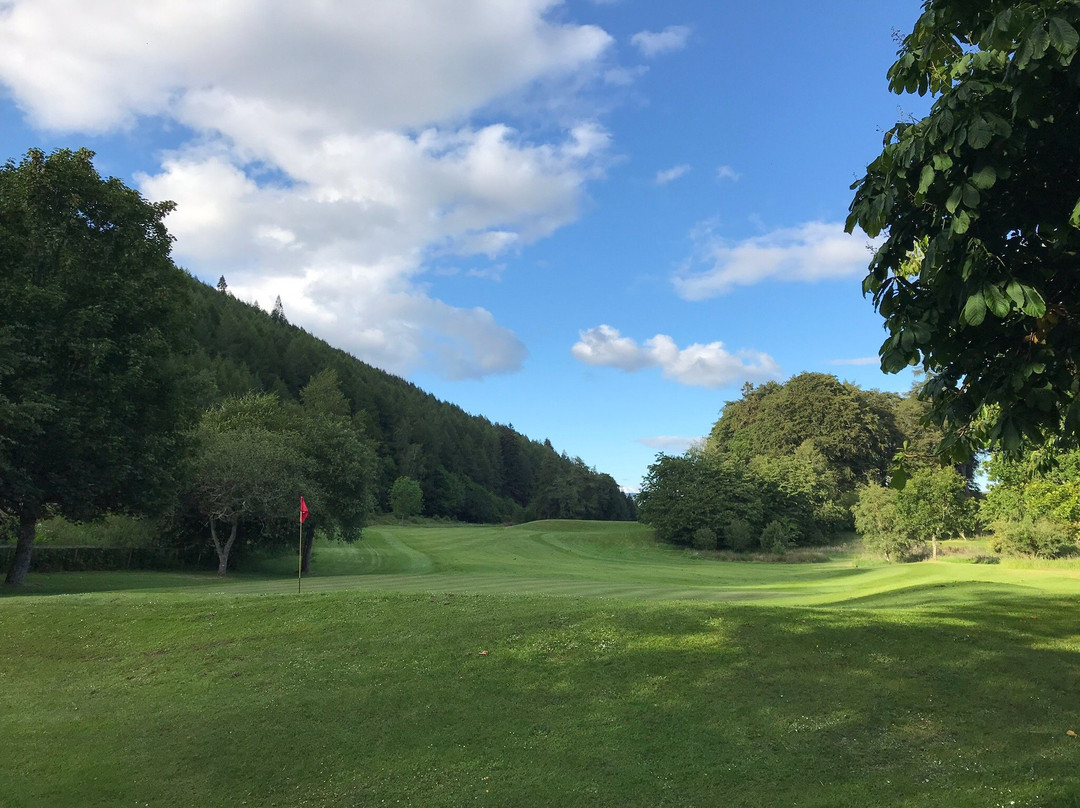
[(593, 220)]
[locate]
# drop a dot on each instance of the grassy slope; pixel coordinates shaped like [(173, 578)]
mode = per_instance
[(931, 684)]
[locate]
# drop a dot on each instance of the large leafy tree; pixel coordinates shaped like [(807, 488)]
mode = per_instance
[(978, 277), (853, 429), (246, 473), (686, 494), (254, 456), (90, 307), (339, 463), (935, 504)]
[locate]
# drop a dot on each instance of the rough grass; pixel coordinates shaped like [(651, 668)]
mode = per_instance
[(660, 679)]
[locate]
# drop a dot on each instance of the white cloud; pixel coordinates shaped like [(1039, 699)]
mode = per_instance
[(624, 76), (696, 365), (651, 43), (605, 346), (331, 152), (810, 252), (671, 174), (670, 444), (727, 173)]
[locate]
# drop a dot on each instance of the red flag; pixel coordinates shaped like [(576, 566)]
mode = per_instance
[(303, 510)]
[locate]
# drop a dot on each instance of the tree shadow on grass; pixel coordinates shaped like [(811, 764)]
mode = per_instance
[(946, 705), (354, 699)]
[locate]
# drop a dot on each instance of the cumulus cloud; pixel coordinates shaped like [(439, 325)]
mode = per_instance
[(696, 365), (670, 444), (332, 150), (652, 43), (671, 174), (810, 252)]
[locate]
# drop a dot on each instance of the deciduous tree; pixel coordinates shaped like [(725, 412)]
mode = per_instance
[(91, 400), (978, 278), (246, 471), (406, 497)]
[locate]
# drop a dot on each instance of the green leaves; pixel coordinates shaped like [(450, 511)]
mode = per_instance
[(1062, 36), (984, 178), (1015, 291), (979, 133), (953, 202), (974, 310), (1033, 46), (961, 223), (1001, 301), (983, 181), (927, 178), (1034, 305), (995, 300)]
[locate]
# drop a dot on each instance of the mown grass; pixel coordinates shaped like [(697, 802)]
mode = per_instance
[(931, 684)]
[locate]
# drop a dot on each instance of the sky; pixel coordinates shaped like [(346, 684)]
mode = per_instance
[(593, 219)]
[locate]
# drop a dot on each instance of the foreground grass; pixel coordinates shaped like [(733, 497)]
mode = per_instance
[(916, 685)]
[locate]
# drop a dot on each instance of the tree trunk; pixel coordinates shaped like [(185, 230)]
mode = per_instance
[(933, 543), (222, 550), (20, 565)]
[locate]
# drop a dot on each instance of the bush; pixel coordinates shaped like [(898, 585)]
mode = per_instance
[(778, 536), (7, 528), (114, 530), (705, 538), (79, 559), (740, 535), (1042, 538)]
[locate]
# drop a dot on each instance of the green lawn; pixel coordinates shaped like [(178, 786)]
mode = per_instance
[(617, 673)]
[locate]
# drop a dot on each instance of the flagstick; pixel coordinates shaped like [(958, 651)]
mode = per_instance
[(300, 555)]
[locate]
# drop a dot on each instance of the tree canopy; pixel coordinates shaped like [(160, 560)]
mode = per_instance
[(853, 429), (979, 201), (91, 308), (1033, 503), (406, 497), (784, 464)]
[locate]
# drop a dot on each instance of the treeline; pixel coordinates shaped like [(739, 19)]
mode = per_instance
[(1033, 505), (786, 463), (469, 468), (126, 386)]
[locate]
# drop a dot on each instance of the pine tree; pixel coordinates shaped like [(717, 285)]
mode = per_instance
[(278, 314)]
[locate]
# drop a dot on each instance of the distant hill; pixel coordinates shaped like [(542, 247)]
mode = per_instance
[(469, 468)]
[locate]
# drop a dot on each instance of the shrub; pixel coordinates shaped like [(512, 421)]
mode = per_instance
[(114, 530), (7, 528), (705, 538), (1042, 538), (740, 535), (778, 536)]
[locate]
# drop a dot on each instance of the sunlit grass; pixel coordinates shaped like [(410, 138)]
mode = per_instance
[(616, 673)]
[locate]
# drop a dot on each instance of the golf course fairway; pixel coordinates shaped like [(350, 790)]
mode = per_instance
[(553, 663)]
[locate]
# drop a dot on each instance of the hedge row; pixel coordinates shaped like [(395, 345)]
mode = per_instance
[(50, 558)]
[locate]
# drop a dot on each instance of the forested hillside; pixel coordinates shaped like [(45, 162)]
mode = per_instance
[(468, 467)]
